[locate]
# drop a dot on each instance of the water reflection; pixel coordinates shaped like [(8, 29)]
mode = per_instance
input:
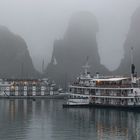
[(46, 119), (13, 120)]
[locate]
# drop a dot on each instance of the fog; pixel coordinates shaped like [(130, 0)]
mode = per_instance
[(40, 22)]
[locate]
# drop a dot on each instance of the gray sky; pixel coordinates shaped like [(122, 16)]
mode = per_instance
[(40, 22)]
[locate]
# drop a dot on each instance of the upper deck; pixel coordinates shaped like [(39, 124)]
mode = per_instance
[(105, 83)]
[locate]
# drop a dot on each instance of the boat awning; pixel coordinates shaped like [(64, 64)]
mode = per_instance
[(110, 79)]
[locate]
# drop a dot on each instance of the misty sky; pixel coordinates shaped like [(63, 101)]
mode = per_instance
[(40, 22)]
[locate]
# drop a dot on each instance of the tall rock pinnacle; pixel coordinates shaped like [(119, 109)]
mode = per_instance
[(132, 40), (70, 53)]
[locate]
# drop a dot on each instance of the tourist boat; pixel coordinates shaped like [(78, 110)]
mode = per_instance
[(105, 91), (20, 88)]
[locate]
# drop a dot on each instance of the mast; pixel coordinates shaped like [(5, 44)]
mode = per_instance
[(132, 62), (133, 73)]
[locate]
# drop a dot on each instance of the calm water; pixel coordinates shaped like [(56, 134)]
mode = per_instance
[(47, 120)]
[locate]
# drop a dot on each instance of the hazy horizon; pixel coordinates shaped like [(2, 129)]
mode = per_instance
[(40, 22)]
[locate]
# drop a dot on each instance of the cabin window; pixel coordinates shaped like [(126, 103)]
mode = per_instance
[(93, 91)]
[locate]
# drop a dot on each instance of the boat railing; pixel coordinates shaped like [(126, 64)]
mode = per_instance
[(114, 86), (107, 86)]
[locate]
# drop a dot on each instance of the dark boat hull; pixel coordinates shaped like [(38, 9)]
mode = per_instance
[(121, 107)]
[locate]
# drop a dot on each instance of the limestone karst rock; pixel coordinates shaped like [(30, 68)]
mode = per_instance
[(15, 60), (70, 53), (132, 40)]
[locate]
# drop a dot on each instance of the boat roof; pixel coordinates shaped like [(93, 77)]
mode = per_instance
[(110, 79)]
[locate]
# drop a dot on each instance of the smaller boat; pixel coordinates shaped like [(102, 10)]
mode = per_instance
[(80, 101)]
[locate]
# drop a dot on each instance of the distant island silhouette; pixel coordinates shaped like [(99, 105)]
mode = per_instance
[(15, 60), (132, 40)]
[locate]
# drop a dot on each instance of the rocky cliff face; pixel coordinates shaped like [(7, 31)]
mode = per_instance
[(70, 53), (132, 40), (15, 60)]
